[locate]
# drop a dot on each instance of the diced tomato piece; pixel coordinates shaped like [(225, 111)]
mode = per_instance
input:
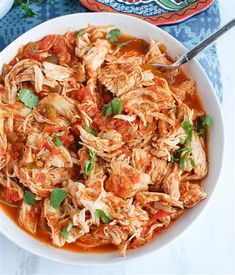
[(160, 214), (15, 197), (32, 214), (47, 146), (73, 95), (41, 178), (148, 207), (10, 195), (60, 48), (147, 97), (31, 51), (120, 123), (67, 140), (46, 42), (17, 151), (101, 230), (99, 122), (32, 55), (74, 128), (81, 95), (84, 95), (53, 129)]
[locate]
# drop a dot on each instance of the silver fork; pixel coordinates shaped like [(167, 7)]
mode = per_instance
[(197, 49)]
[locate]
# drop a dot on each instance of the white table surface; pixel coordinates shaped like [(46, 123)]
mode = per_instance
[(207, 247)]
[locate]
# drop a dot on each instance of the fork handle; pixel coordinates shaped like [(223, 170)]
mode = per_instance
[(205, 43)]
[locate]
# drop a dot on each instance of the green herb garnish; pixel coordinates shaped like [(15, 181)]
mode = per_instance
[(192, 162), (89, 165), (29, 198), (115, 107), (25, 5), (66, 231), (29, 99), (27, 11), (107, 110), (113, 35), (90, 131), (80, 32), (201, 124), (57, 140), (188, 128), (57, 196), (101, 214), (182, 162), (91, 154), (182, 155), (182, 140)]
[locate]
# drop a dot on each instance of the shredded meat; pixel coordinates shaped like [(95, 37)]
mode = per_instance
[(96, 147)]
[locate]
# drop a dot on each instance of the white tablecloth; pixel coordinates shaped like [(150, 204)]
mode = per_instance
[(206, 247)]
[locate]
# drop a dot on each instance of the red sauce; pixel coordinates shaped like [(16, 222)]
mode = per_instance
[(194, 101), (45, 237), (133, 44)]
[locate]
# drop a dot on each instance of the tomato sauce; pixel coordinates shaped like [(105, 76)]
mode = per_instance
[(45, 237)]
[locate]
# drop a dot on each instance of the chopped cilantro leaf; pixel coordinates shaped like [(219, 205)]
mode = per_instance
[(201, 124), (28, 12), (101, 214), (187, 126), (57, 140), (107, 110), (115, 107), (89, 165), (57, 196), (29, 198), (66, 231), (90, 131), (29, 99), (80, 32), (113, 35), (182, 156)]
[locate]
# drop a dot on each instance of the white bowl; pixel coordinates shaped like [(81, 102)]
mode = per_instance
[(144, 30), (5, 6)]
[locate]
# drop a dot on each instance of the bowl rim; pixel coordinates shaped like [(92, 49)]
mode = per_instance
[(219, 114)]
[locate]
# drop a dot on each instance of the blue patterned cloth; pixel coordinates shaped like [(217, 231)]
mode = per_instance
[(189, 32)]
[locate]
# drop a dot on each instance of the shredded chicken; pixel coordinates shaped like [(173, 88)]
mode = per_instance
[(94, 58), (191, 194), (125, 181), (121, 78), (28, 217), (97, 147)]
